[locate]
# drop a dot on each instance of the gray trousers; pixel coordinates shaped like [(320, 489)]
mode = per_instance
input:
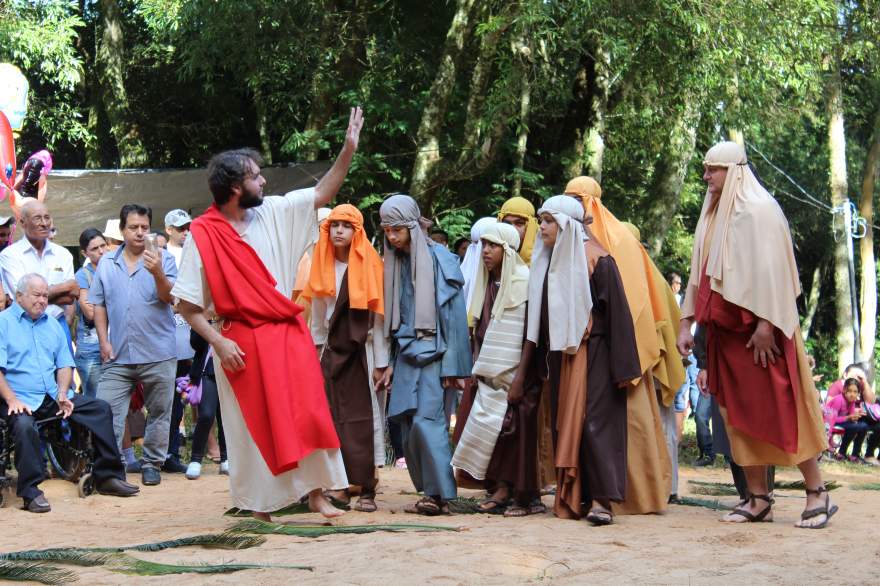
[(116, 385), (670, 429)]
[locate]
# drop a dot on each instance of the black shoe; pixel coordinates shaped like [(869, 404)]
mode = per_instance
[(705, 461), (37, 505), (173, 465), (117, 487), (673, 498), (150, 476), (134, 467)]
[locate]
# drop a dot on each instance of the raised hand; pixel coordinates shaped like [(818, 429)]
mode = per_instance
[(355, 123)]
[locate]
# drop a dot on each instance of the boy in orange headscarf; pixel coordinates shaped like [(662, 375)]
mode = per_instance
[(346, 289)]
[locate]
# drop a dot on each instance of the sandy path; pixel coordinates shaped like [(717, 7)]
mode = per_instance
[(686, 545)]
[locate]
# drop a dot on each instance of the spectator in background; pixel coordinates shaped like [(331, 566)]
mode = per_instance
[(857, 372), (35, 374), (177, 227), (460, 248), (675, 285), (112, 234), (88, 349), (6, 225), (847, 411), (440, 236), (132, 298), (161, 240), (35, 253)]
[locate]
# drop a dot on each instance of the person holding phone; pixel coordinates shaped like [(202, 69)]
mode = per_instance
[(131, 295)]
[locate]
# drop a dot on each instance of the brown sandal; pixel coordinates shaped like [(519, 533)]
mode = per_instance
[(826, 510), (600, 517), (428, 506), (751, 517), (366, 504)]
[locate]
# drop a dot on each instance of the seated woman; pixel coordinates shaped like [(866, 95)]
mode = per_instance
[(847, 413)]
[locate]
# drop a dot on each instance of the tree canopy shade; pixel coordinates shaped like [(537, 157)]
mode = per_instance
[(476, 100)]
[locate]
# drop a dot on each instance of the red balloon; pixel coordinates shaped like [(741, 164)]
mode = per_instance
[(7, 152)]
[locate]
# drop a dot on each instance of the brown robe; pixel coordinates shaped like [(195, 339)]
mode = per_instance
[(515, 457), (591, 405), (346, 379)]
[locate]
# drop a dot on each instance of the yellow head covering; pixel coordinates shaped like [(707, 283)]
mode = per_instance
[(523, 208), (632, 262)]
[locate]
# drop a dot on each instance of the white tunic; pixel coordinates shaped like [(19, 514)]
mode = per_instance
[(280, 231)]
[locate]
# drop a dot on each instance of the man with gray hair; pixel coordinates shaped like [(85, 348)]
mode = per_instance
[(35, 253), (36, 368)]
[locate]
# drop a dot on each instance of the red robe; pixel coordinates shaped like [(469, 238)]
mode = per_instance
[(760, 401), (281, 389)]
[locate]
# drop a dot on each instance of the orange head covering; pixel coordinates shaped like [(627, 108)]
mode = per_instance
[(365, 274)]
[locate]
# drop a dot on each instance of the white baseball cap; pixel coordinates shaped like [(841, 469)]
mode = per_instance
[(112, 230), (5, 220), (177, 218)]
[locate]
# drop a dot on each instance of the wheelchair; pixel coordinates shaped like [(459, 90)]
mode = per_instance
[(67, 446)]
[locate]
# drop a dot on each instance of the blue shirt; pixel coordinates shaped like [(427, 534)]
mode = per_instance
[(87, 343), (141, 325), (30, 353)]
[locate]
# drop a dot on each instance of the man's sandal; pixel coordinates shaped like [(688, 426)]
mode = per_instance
[(535, 508), (600, 517), (751, 517), (826, 510), (494, 505), (429, 507), (366, 504)]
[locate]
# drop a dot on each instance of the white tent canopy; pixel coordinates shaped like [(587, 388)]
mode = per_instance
[(80, 199)]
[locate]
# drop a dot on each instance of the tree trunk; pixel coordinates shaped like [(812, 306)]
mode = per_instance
[(838, 183), (669, 174), (428, 156), (262, 125), (868, 289), (111, 74), (812, 300), (584, 143), (478, 149), (521, 48)]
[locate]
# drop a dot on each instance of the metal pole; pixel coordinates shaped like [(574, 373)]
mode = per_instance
[(854, 301)]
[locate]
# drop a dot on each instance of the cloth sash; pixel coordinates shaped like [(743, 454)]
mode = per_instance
[(496, 366), (281, 390)]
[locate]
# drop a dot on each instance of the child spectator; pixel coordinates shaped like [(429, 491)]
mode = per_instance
[(846, 412)]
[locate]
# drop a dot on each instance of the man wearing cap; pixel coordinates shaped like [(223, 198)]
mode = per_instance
[(35, 253), (177, 227)]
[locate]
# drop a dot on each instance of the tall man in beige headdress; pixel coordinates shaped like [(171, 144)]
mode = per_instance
[(743, 287)]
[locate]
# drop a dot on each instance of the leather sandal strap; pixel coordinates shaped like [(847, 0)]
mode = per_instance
[(817, 491)]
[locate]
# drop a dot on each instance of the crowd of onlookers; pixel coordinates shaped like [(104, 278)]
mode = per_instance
[(114, 321)]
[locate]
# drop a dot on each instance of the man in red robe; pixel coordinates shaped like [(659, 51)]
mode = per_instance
[(238, 273), (743, 289)]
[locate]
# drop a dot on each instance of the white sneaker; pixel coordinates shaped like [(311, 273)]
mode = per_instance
[(224, 467), (193, 471)]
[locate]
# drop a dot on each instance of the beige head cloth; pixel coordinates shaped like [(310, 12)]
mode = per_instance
[(569, 301), (514, 288), (744, 243)]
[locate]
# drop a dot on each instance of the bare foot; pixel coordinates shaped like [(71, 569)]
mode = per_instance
[(262, 517), (318, 503)]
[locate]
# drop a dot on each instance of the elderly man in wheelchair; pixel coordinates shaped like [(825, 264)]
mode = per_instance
[(36, 370)]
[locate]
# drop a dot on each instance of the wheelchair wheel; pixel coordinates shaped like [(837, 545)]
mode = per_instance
[(68, 447), (85, 486)]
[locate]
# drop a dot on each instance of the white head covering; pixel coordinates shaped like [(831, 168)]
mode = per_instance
[(514, 289), (745, 245), (402, 210), (473, 260), (569, 301)]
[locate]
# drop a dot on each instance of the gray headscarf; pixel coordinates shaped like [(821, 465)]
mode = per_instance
[(402, 210)]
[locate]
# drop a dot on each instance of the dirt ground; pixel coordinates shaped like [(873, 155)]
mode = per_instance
[(687, 545)]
